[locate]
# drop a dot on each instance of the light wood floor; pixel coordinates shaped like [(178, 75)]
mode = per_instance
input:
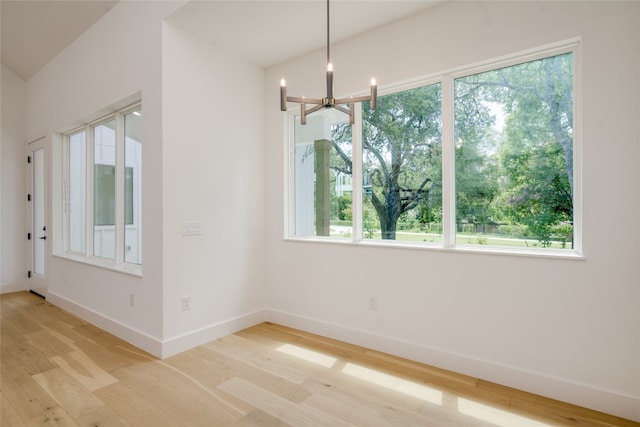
[(57, 370)]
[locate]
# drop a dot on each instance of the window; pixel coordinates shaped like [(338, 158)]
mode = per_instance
[(104, 165), (483, 158), (322, 181), (514, 155)]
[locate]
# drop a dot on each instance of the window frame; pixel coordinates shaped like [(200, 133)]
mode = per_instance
[(117, 263), (447, 79)]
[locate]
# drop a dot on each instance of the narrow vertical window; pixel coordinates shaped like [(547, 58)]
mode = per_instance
[(77, 191), (104, 190), (132, 187), (402, 166), (322, 176)]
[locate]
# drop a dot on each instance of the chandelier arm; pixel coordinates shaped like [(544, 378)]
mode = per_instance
[(314, 109), (329, 101), (341, 108), (304, 100), (353, 99)]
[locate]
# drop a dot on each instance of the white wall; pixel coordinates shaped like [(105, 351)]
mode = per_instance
[(119, 56), (562, 328), (13, 187), (213, 169)]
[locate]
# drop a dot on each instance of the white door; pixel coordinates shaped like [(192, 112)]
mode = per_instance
[(38, 229)]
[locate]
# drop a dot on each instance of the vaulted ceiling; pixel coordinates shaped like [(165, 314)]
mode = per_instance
[(264, 31), (34, 32)]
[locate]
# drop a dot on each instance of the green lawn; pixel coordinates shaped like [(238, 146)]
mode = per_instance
[(466, 239)]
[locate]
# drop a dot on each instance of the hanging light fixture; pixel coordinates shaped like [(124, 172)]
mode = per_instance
[(329, 101)]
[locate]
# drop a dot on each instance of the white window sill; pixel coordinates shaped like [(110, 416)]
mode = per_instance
[(569, 254), (105, 263)]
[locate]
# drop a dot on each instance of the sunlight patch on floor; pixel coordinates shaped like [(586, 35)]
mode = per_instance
[(400, 385), (308, 355), (496, 416)]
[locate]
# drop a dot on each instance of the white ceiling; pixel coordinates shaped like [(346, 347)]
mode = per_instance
[(269, 32), (264, 31), (34, 32)]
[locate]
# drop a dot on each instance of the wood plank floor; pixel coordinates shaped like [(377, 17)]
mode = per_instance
[(57, 370)]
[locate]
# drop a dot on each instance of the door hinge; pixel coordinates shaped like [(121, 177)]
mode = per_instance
[(28, 197), (28, 159), (28, 236), (29, 274)]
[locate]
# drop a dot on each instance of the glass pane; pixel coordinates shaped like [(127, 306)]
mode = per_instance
[(77, 191), (132, 188), (402, 166), (104, 190), (39, 226), (514, 155), (322, 175)]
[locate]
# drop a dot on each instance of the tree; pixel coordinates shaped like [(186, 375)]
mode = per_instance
[(401, 152), (476, 180), (519, 175), (534, 156)]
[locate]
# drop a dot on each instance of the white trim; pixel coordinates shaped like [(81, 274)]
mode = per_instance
[(210, 333), (447, 81), (159, 348), (119, 190), (139, 339), (18, 286), (118, 263), (106, 263), (356, 175), (288, 121), (517, 58), (609, 401), (448, 163), (577, 149)]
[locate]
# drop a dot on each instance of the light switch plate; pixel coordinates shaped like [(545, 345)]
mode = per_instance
[(191, 228)]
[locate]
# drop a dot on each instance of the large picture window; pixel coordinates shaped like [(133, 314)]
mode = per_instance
[(480, 158), (104, 166)]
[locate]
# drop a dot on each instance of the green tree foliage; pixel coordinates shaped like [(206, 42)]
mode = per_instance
[(402, 153), (533, 157), (519, 175)]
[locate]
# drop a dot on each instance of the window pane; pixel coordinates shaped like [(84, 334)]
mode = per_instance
[(514, 155), (77, 191), (402, 166), (104, 190), (322, 170), (132, 187)]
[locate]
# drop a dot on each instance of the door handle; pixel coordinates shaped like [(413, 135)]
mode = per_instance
[(43, 238)]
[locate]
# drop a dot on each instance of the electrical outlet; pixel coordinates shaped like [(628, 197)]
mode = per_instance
[(132, 300), (373, 303), (185, 303)]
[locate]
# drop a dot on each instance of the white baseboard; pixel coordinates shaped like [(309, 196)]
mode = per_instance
[(210, 333), (7, 288), (157, 348), (141, 340), (607, 401)]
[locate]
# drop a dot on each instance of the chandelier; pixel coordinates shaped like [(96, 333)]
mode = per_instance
[(329, 101)]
